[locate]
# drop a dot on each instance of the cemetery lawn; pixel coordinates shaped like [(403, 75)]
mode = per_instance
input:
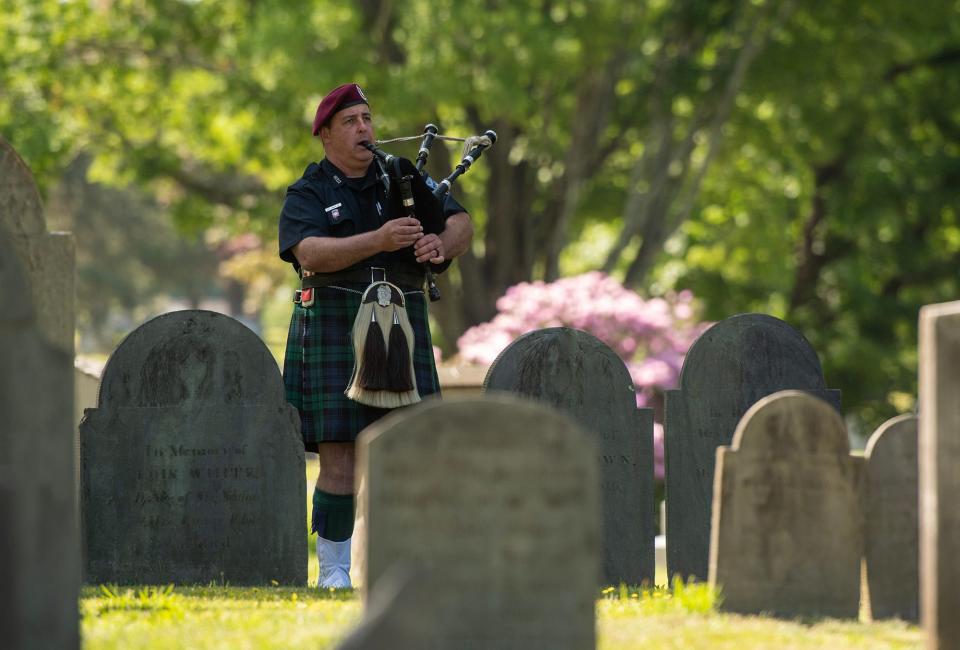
[(204, 618)]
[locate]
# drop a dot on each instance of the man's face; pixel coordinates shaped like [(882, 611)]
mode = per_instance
[(344, 135)]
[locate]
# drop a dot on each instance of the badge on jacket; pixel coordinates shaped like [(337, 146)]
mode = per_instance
[(334, 211)]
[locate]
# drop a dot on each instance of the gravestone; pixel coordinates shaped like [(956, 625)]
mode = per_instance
[(939, 458), (192, 464), (48, 258), (787, 530), (581, 376), (892, 520), (728, 369), (497, 501), (40, 539)]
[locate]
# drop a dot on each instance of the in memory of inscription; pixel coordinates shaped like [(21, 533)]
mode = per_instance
[(787, 530), (193, 424), (496, 501), (579, 375)]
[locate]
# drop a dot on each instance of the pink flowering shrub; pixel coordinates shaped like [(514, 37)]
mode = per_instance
[(650, 335)]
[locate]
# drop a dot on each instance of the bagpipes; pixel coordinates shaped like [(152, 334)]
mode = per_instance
[(383, 374), (416, 197)]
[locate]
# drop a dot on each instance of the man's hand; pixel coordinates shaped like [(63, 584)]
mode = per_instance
[(399, 233), (429, 248)]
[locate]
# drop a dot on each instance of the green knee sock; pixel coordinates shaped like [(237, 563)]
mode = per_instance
[(332, 515)]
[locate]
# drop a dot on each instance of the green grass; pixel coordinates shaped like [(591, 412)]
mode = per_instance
[(282, 617), (204, 618), (262, 618), (686, 616)]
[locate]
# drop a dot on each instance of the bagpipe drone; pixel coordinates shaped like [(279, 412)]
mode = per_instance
[(411, 183)]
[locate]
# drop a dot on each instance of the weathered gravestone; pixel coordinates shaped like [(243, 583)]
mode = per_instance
[(939, 458), (728, 369), (581, 376), (48, 258), (192, 464), (497, 501), (787, 530), (38, 517), (892, 520)]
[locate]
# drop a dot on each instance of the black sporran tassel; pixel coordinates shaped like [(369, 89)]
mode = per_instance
[(373, 367), (398, 359)]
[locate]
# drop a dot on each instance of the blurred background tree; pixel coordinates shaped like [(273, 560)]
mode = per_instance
[(793, 158)]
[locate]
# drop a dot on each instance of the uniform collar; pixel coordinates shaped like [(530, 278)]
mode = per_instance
[(340, 179)]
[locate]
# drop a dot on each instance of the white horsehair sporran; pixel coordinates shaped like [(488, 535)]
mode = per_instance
[(383, 344)]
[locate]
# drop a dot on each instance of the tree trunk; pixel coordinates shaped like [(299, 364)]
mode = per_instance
[(671, 197), (595, 101), (812, 255)]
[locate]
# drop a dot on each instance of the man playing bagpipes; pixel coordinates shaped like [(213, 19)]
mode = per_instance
[(359, 341)]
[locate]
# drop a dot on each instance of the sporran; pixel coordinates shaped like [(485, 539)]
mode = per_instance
[(383, 374)]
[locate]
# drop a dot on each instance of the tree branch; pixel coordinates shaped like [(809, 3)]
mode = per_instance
[(380, 19), (755, 39), (591, 116), (946, 56)]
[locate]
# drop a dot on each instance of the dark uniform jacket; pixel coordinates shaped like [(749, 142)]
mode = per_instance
[(319, 356), (325, 203)]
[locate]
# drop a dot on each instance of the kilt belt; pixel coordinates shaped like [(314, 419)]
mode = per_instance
[(405, 279)]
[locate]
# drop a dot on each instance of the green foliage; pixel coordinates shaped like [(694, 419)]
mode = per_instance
[(833, 203), (796, 158)]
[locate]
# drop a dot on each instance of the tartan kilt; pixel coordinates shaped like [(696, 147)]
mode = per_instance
[(319, 361)]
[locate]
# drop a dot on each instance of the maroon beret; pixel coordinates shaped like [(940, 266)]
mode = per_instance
[(337, 99)]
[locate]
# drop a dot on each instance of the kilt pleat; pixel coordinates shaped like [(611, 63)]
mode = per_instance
[(319, 360)]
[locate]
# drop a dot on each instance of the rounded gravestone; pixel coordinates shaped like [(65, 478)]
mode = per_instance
[(731, 366), (579, 375), (496, 499), (21, 211), (191, 357), (892, 541), (787, 530), (792, 424), (192, 464), (48, 259), (749, 356)]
